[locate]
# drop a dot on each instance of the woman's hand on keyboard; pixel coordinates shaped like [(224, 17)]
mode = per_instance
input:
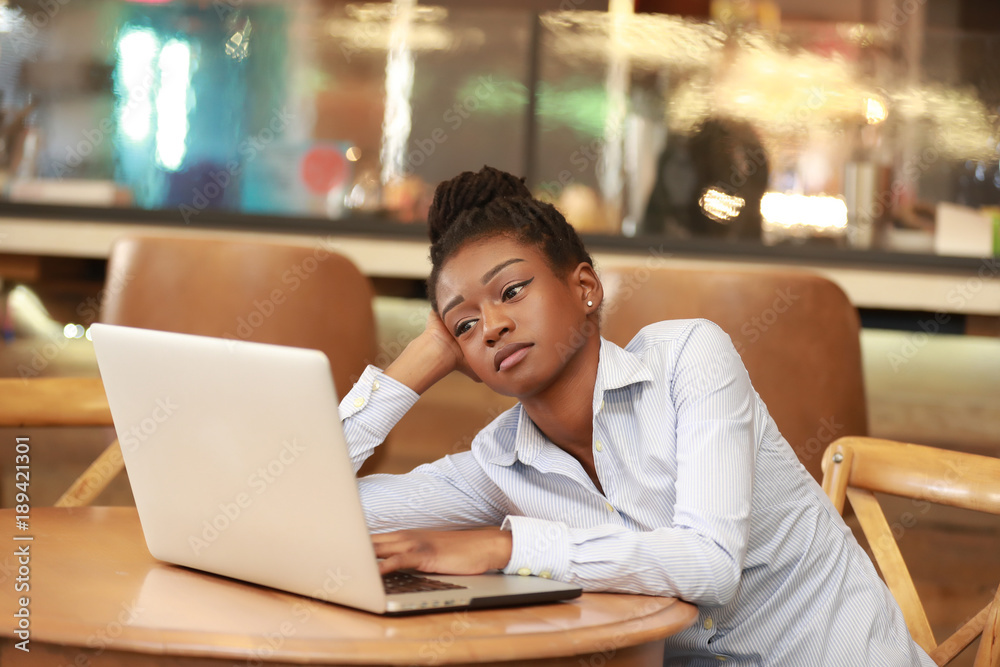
[(444, 551)]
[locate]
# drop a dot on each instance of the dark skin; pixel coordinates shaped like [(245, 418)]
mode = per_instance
[(493, 293)]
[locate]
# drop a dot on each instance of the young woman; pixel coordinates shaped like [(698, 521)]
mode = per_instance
[(652, 469)]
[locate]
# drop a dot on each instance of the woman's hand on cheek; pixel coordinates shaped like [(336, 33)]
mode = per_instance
[(436, 329), (444, 551), (441, 339), (429, 357)]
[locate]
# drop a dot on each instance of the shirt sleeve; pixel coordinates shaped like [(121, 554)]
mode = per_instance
[(449, 493), (452, 492), (700, 556), (370, 410)]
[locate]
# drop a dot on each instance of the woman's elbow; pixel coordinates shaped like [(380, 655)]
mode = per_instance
[(725, 590), (718, 586)]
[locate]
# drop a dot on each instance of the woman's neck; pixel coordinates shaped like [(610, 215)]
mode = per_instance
[(564, 411)]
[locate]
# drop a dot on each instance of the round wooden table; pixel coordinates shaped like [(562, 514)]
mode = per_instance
[(98, 598)]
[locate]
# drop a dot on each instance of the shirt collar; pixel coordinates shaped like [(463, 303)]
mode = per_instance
[(616, 368)]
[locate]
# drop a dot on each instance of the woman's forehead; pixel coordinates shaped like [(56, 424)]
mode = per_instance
[(477, 258), (477, 262)]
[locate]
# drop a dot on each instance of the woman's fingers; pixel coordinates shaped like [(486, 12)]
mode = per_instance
[(427, 358), (443, 552), (405, 550), (395, 562), (435, 326)]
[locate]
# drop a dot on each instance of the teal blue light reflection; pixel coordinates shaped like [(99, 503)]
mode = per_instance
[(188, 88)]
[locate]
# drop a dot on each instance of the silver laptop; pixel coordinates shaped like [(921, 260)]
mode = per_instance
[(239, 467)]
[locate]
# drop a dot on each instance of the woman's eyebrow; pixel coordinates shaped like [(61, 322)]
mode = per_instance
[(488, 276), (451, 304)]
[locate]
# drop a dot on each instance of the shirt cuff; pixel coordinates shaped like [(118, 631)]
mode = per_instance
[(377, 400), (540, 547)]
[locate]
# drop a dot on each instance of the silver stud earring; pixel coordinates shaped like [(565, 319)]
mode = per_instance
[(590, 304)]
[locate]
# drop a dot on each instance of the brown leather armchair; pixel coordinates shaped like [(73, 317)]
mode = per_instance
[(798, 335), (303, 296)]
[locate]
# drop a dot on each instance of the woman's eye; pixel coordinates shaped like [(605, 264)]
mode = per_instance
[(463, 327), (514, 290)]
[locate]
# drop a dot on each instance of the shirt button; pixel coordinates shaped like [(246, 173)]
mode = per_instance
[(602, 405), (720, 658), (708, 624), (358, 402), (375, 385), (598, 446), (610, 507), (524, 571), (545, 574)]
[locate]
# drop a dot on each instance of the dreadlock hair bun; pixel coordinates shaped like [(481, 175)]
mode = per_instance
[(523, 219), (470, 190)]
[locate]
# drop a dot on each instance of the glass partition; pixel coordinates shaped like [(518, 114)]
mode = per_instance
[(759, 129)]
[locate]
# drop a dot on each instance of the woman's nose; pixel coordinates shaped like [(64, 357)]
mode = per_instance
[(496, 324)]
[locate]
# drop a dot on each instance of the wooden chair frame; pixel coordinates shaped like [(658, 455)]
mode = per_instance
[(38, 402), (855, 468)]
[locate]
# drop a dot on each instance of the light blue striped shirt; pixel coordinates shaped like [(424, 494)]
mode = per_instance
[(703, 500)]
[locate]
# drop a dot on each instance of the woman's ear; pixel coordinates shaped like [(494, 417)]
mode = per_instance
[(588, 286)]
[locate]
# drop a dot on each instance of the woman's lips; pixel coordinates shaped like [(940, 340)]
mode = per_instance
[(510, 354)]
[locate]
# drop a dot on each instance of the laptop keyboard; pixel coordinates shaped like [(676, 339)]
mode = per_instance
[(407, 582)]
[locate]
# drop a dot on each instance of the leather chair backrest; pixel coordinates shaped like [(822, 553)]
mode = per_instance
[(303, 296), (798, 335)]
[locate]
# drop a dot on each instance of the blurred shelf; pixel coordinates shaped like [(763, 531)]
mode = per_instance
[(385, 249)]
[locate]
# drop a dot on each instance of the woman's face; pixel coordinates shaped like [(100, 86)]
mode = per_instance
[(518, 324)]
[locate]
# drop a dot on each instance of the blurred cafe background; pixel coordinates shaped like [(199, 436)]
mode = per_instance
[(858, 126), (858, 139)]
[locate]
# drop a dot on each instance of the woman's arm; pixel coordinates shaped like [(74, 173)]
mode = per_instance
[(420, 519), (379, 399), (370, 410), (450, 493)]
